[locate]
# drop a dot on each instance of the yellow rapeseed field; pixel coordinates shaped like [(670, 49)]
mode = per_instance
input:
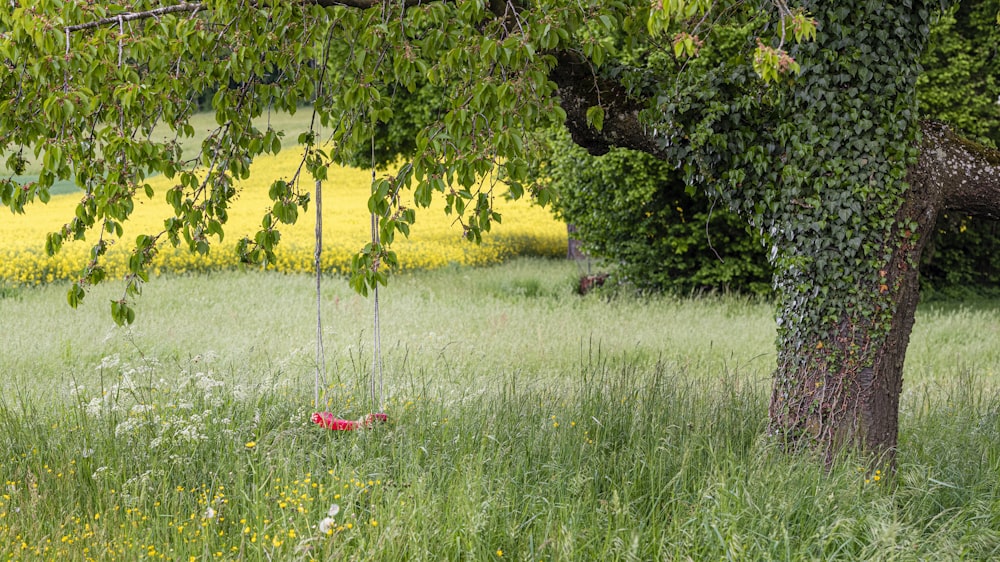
[(435, 238)]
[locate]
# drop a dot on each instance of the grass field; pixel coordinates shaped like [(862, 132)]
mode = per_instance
[(526, 423)]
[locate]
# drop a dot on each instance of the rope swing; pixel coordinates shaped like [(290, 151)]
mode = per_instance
[(327, 419)]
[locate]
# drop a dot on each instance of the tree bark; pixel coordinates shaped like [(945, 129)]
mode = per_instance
[(579, 89), (858, 405)]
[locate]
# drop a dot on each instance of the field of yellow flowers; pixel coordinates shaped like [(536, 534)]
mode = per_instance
[(435, 239)]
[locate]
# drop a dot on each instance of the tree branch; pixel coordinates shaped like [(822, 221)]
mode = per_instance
[(364, 4), (580, 89), (197, 6), (967, 173), (130, 16)]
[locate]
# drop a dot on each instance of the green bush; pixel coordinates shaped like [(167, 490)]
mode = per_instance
[(963, 261), (632, 210)]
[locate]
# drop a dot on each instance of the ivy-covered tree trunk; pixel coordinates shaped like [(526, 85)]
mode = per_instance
[(844, 242), (847, 185), (856, 403)]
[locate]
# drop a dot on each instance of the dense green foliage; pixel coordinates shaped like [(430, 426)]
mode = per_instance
[(656, 230), (634, 211), (960, 86), (625, 204), (961, 78), (965, 262)]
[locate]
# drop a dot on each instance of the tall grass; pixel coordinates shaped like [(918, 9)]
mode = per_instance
[(526, 423)]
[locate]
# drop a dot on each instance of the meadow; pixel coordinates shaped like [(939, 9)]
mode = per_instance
[(525, 423)]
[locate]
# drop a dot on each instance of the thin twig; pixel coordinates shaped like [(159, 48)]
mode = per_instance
[(708, 235)]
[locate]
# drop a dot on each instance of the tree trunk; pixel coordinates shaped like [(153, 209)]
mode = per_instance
[(855, 402), (575, 246), (858, 404)]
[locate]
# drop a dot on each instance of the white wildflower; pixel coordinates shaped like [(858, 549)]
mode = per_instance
[(205, 382), (240, 393), (326, 525), (127, 382), (190, 433), (109, 362), (127, 427), (94, 407), (334, 510)]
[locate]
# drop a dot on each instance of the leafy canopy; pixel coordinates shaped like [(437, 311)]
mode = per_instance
[(83, 85)]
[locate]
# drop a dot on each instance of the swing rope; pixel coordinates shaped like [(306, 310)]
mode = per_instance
[(320, 355), (376, 331), (327, 419), (377, 406)]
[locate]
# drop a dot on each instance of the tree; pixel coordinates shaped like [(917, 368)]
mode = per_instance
[(959, 84), (632, 209), (810, 131)]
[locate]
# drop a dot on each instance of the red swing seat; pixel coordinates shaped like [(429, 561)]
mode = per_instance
[(328, 421)]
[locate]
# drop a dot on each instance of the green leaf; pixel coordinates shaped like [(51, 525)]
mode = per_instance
[(595, 117), (122, 313), (75, 295)]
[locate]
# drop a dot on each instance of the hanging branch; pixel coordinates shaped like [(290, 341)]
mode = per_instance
[(196, 6), (130, 16)]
